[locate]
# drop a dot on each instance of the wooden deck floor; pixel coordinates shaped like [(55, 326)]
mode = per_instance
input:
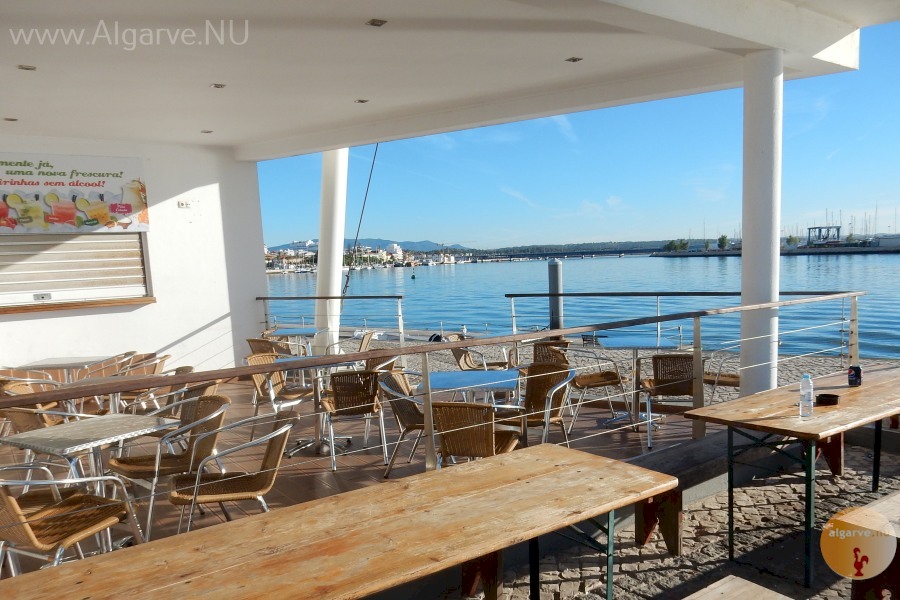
[(308, 475)]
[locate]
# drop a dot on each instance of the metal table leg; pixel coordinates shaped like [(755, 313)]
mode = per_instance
[(730, 493), (809, 447)]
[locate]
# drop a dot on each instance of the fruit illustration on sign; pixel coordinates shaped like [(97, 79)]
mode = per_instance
[(135, 193), (61, 211), (30, 212), (5, 219), (97, 211)]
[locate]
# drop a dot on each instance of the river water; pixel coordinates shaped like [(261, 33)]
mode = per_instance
[(448, 297)]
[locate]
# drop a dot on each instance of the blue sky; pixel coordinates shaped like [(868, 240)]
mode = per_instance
[(654, 171)]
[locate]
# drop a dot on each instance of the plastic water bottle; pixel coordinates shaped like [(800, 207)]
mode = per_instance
[(806, 396)]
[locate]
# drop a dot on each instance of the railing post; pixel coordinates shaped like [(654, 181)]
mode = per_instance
[(401, 330), (266, 313), (853, 342), (431, 463), (698, 427), (658, 324), (512, 308)]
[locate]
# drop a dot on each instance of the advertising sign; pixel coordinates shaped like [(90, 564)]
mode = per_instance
[(50, 193)]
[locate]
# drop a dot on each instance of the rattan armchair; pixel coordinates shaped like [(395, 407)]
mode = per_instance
[(546, 395), (470, 359), (46, 529), (594, 372), (204, 487), (470, 430), (273, 387), (673, 376), (146, 470), (396, 392), (353, 394)]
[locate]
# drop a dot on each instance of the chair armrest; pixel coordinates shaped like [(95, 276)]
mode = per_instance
[(254, 442)]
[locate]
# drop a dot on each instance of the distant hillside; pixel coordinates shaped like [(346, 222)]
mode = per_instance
[(423, 246)]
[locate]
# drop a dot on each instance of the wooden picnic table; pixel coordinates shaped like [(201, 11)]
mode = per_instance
[(376, 538), (775, 413)]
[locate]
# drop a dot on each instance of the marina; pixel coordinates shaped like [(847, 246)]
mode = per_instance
[(473, 295)]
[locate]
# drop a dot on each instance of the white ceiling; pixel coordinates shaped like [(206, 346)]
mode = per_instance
[(437, 65)]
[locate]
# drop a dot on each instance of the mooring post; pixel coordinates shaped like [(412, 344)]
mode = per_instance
[(554, 269)]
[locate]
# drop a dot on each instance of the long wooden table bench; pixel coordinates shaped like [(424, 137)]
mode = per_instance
[(373, 539), (736, 588), (889, 579)]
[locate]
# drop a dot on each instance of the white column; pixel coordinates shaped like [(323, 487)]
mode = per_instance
[(331, 246), (761, 215)]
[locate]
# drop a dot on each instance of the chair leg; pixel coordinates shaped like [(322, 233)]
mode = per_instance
[(331, 441), (57, 556), (262, 504), (573, 409), (366, 431), (390, 465), (383, 436), (12, 561), (225, 511), (415, 445)]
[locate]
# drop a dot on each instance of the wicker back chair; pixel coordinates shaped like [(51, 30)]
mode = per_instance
[(546, 393), (106, 367), (47, 530), (673, 375), (273, 387), (397, 393), (550, 351), (147, 469), (206, 488), (467, 429), (353, 394), (473, 360), (594, 371)]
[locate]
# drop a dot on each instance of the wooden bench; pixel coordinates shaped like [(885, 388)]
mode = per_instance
[(889, 579), (372, 539), (735, 588)]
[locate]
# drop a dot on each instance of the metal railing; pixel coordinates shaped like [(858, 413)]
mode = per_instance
[(426, 353)]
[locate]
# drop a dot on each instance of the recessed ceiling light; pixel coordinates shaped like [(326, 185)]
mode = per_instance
[(206, 131), (217, 86), (361, 100), (10, 119), (376, 22), (27, 68), (574, 59)]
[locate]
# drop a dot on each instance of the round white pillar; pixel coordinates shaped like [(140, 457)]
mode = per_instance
[(761, 215), (332, 219)]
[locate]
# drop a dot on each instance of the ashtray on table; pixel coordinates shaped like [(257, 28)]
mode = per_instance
[(827, 399)]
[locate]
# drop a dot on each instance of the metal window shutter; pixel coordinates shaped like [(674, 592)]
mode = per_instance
[(70, 267)]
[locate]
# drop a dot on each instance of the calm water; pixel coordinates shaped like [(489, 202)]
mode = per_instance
[(472, 295)]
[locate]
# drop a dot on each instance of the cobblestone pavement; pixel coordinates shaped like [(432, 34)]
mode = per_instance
[(769, 542)]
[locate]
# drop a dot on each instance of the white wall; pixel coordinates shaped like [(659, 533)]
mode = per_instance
[(205, 264)]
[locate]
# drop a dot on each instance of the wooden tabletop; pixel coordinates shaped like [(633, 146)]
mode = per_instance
[(776, 411), (364, 541)]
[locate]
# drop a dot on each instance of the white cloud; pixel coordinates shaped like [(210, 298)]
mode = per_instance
[(564, 125), (518, 196)]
